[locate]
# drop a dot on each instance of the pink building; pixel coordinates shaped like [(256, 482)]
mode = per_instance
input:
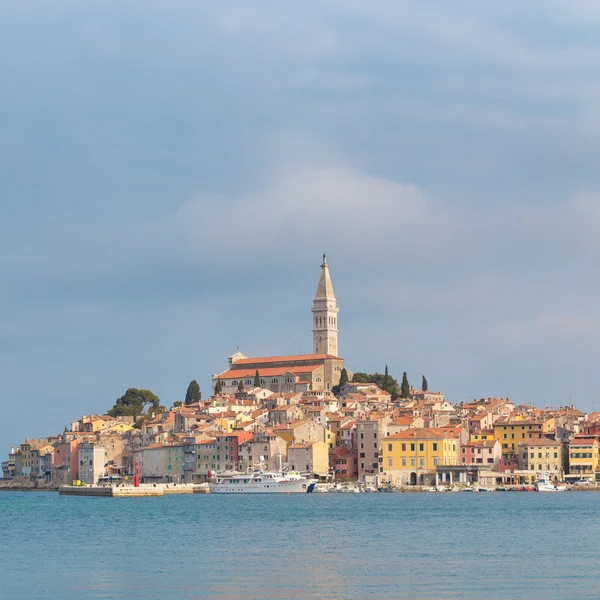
[(483, 452)]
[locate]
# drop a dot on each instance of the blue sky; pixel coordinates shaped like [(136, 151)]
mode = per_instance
[(171, 172)]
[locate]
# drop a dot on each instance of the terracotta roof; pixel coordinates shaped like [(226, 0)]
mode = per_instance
[(290, 425), (301, 446), (541, 442), (482, 444), (416, 433), (292, 358), (267, 371)]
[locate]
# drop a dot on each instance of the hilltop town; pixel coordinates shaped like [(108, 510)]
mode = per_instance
[(309, 413)]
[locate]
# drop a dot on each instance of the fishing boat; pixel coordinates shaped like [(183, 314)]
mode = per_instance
[(545, 485)]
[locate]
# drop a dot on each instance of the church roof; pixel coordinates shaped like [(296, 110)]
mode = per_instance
[(280, 359), (324, 287), (267, 371)]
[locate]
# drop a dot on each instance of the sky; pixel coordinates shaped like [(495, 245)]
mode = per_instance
[(171, 173)]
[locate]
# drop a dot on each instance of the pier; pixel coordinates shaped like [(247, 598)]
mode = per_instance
[(130, 491)]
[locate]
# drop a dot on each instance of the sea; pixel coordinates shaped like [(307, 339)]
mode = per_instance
[(326, 546)]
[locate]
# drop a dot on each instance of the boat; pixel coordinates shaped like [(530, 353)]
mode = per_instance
[(260, 482), (545, 485)]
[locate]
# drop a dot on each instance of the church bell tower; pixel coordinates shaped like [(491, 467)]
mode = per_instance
[(325, 311)]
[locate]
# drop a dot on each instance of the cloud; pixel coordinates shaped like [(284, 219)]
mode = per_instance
[(345, 211)]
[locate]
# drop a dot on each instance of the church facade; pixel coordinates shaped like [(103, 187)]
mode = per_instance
[(319, 371)]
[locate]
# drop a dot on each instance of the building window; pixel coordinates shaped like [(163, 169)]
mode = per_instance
[(262, 382), (403, 461), (421, 447), (234, 382), (412, 447), (435, 447), (421, 463), (390, 462), (318, 380), (413, 461), (275, 380), (435, 461), (403, 447), (389, 447)]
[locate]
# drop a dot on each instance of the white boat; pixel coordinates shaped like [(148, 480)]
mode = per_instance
[(262, 483), (544, 485)]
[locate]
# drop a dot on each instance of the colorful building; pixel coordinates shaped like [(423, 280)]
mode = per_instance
[(412, 457)]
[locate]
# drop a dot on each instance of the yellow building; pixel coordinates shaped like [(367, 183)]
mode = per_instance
[(330, 438), (482, 435), (119, 428), (583, 457), (412, 456), (511, 432)]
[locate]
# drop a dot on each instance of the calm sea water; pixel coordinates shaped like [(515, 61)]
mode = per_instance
[(329, 546)]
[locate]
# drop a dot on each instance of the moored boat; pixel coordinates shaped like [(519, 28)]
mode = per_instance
[(261, 483), (545, 485)]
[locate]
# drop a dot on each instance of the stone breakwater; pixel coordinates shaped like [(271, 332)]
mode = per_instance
[(129, 491), (7, 485)]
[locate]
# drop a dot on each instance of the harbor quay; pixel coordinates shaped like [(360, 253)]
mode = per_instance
[(309, 416)]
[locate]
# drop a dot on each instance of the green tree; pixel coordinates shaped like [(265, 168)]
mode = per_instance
[(218, 386), (386, 378), (177, 403), (134, 402), (256, 379), (405, 387), (391, 385), (343, 377), (424, 384), (241, 385), (193, 393)]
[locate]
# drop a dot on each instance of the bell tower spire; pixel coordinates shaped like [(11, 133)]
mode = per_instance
[(325, 311)]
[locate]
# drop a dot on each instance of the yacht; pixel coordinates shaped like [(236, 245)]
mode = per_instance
[(260, 482)]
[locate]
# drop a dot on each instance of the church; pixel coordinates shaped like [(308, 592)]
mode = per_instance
[(319, 371)]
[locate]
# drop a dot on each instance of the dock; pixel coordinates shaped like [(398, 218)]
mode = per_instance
[(130, 491)]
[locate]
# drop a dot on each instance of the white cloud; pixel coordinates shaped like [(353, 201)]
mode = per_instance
[(340, 209)]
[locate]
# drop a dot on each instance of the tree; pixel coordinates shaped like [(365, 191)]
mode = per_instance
[(256, 379), (378, 379), (241, 385), (424, 384), (386, 377), (343, 377), (177, 403), (218, 386), (193, 393), (404, 388), (134, 402)]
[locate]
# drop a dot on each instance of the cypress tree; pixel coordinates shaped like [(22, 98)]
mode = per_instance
[(343, 377), (424, 384), (386, 379), (404, 388), (256, 379), (193, 393), (241, 385), (218, 386)]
